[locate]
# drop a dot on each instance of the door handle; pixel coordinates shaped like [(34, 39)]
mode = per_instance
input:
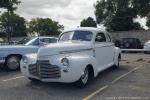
[(94, 55)]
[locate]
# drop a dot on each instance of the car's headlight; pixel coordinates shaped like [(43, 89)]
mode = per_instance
[(29, 57), (32, 56), (65, 62), (25, 59)]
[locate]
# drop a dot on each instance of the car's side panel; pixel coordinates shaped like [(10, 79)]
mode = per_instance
[(116, 55), (100, 55), (110, 53), (104, 50)]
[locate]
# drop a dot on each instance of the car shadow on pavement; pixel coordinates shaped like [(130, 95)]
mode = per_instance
[(64, 89), (4, 72)]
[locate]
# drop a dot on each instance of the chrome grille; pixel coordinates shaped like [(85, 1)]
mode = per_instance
[(43, 70), (33, 69)]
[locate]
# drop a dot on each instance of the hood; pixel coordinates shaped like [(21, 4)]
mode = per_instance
[(63, 47)]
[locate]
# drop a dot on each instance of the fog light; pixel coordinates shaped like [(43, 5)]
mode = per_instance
[(25, 59), (65, 62)]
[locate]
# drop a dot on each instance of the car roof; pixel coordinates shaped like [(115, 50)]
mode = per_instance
[(44, 37), (87, 29)]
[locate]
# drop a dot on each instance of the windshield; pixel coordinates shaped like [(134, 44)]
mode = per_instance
[(25, 40), (76, 35), (33, 41)]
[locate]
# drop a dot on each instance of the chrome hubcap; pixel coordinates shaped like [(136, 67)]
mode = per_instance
[(13, 63), (84, 76)]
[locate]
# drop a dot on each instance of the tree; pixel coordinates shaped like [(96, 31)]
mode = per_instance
[(148, 23), (10, 5), (2, 32), (123, 22), (16, 25), (4, 3), (118, 15), (148, 20), (44, 26), (89, 22)]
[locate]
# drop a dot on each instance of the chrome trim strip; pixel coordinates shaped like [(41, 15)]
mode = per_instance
[(2, 61), (74, 51), (2, 58), (104, 46)]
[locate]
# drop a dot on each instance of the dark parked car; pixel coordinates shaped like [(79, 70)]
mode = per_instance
[(129, 43)]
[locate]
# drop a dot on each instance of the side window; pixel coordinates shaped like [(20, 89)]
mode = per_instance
[(53, 40), (100, 37), (44, 40), (109, 38), (36, 42)]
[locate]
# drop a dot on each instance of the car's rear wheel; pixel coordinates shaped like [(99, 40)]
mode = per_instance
[(82, 82), (13, 63), (117, 65)]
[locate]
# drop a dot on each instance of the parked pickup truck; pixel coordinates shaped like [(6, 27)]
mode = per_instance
[(10, 55), (78, 56)]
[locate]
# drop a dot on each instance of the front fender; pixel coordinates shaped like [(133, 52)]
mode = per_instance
[(77, 63), (84, 61)]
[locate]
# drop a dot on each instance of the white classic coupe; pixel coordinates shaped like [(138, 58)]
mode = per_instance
[(78, 56)]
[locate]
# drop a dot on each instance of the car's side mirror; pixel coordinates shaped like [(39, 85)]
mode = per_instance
[(99, 39)]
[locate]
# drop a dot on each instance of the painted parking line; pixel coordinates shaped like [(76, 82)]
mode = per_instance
[(10, 79), (106, 86), (96, 92), (122, 76)]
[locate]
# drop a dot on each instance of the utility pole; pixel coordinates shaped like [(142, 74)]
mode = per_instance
[(8, 30)]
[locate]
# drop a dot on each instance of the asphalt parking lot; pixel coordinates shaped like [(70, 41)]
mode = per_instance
[(130, 82)]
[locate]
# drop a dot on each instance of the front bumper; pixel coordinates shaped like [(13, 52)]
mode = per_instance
[(2, 61), (51, 73)]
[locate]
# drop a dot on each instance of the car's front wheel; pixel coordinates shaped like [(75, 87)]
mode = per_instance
[(82, 82), (33, 79), (13, 63)]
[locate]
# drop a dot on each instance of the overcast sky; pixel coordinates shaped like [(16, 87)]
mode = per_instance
[(68, 12)]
